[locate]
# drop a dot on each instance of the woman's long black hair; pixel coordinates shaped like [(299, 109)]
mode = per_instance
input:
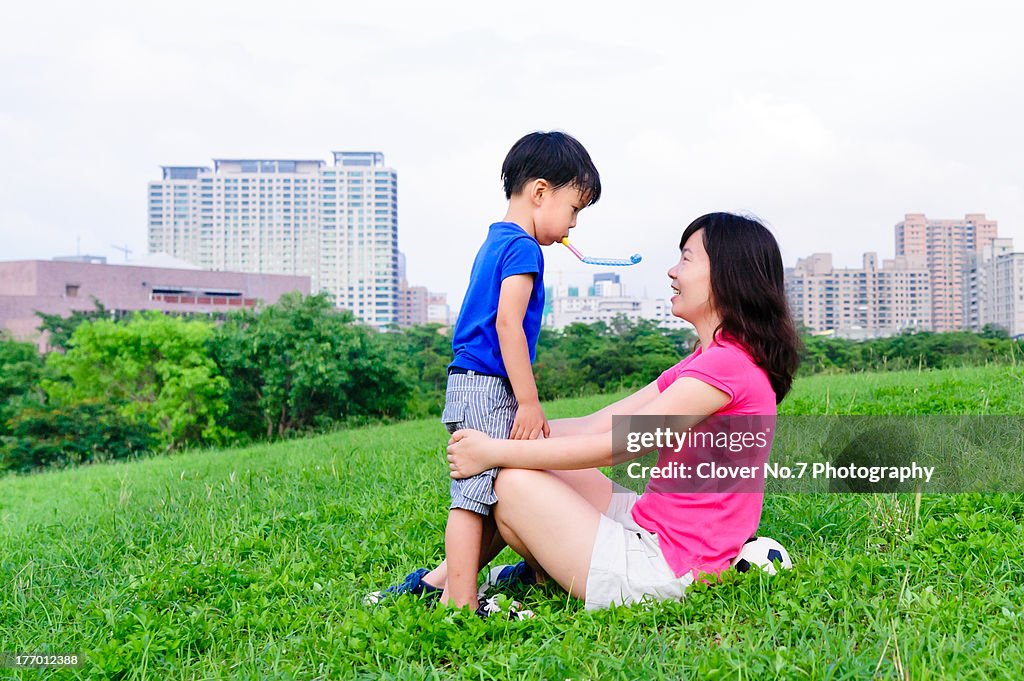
[(748, 293)]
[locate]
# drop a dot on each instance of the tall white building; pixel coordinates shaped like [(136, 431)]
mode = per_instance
[(337, 224), (996, 288)]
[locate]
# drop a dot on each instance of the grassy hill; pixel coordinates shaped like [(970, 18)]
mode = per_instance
[(250, 563)]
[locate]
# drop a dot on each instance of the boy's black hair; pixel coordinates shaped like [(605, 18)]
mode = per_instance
[(553, 156)]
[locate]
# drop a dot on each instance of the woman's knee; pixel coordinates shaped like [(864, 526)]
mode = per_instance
[(513, 482)]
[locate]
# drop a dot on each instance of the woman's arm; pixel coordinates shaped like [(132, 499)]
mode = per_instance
[(470, 452), (601, 421)]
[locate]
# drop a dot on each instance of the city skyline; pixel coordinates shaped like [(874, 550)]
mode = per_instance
[(768, 110), (949, 274)]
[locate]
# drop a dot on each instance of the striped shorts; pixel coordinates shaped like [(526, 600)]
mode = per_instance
[(487, 404)]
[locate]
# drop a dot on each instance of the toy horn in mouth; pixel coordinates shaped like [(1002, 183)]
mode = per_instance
[(606, 262)]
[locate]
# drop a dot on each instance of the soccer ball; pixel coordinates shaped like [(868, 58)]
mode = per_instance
[(763, 552)]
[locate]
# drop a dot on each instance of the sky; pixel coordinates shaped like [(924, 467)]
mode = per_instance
[(829, 122)]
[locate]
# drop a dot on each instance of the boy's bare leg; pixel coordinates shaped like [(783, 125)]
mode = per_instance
[(438, 577), (490, 546), (463, 539)]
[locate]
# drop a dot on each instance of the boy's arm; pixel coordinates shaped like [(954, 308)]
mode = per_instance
[(513, 299)]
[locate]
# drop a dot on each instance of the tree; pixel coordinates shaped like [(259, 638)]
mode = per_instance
[(301, 363), (821, 353), (422, 353), (591, 358), (62, 328), (21, 369), (154, 369), (994, 331)]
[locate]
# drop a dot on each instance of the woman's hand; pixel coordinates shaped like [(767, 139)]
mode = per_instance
[(469, 452)]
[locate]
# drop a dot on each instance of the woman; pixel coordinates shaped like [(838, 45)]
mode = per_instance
[(601, 542)]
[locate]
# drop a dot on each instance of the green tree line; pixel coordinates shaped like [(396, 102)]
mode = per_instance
[(150, 382), (824, 354)]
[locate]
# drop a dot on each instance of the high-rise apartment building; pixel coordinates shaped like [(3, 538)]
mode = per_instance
[(417, 305), (412, 304), (865, 302), (606, 284), (947, 247), (337, 224), (996, 288), (438, 310)]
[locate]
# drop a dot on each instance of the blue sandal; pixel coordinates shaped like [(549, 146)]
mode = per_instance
[(508, 576), (413, 585)]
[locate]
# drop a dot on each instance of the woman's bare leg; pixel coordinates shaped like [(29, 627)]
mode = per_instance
[(590, 483), (549, 524)]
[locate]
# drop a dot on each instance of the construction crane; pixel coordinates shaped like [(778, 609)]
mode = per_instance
[(124, 249)]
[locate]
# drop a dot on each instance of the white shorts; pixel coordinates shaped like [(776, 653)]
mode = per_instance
[(627, 565)]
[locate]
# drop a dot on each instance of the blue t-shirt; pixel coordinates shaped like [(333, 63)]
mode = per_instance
[(507, 251)]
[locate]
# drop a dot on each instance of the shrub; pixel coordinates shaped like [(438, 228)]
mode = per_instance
[(46, 435)]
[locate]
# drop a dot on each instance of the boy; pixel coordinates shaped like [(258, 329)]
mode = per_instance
[(548, 179)]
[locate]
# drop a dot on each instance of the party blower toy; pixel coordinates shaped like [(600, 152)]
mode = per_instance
[(605, 262)]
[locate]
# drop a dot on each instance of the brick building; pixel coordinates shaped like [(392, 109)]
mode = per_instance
[(62, 287)]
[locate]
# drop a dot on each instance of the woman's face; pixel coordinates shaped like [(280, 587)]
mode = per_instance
[(691, 281)]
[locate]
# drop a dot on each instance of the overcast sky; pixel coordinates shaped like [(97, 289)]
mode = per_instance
[(829, 123)]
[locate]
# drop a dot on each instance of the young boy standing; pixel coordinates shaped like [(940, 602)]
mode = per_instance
[(548, 179)]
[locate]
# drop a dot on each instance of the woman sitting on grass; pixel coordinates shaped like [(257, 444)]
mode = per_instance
[(601, 542)]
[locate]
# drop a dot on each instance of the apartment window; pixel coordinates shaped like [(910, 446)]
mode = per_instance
[(71, 290)]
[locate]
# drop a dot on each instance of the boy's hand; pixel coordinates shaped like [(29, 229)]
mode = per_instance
[(530, 423)]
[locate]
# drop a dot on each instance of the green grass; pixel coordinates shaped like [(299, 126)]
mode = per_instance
[(250, 563), (976, 390)]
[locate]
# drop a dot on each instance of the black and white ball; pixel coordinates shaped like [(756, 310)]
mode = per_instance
[(763, 552)]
